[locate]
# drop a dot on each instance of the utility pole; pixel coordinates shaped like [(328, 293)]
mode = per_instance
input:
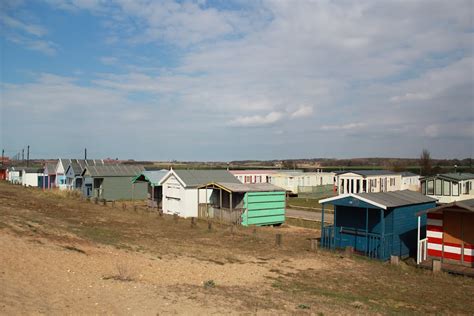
[(3, 155), (23, 155), (28, 156), (85, 153)]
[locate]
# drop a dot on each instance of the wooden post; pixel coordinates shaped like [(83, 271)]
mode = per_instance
[(175, 217), (349, 251), (104, 202), (193, 222), (134, 208), (152, 197), (436, 266), (209, 225), (278, 240), (124, 206), (113, 203), (314, 244), (394, 260)]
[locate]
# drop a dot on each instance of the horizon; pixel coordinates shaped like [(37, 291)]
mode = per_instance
[(237, 80)]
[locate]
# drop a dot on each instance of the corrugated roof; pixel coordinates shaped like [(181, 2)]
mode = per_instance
[(50, 167), (194, 178), (458, 176), (152, 176), (113, 170), (366, 173), (397, 198), (249, 187), (33, 170), (387, 199)]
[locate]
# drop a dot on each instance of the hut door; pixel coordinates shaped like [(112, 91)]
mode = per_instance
[(452, 236)]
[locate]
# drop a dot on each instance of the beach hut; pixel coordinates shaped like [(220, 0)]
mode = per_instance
[(113, 182), (448, 235), (375, 224), (32, 177), (247, 204), (180, 189), (155, 190)]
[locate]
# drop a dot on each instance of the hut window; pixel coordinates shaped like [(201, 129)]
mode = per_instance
[(446, 188), (430, 188), (455, 189), (438, 187), (423, 187)]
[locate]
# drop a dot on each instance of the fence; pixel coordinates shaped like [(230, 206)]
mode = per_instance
[(316, 192), (221, 215)]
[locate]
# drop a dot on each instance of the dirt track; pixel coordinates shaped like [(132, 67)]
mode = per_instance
[(59, 255)]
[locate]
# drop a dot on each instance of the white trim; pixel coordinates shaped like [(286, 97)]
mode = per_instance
[(433, 246), (434, 234), (469, 252), (169, 174), (342, 196), (434, 222)]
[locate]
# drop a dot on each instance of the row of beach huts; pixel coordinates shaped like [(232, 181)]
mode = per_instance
[(379, 213)]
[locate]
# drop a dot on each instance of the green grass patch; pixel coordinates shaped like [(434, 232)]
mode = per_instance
[(100, 235)]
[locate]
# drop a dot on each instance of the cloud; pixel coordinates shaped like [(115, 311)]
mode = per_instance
[(412, 96), (343, 127), (28, 35), (32, 29), (257, 120), (303, 111)]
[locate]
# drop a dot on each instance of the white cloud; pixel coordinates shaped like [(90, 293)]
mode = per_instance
[(343, 127), (303, 111), (411, 96), (257, 120), (33, 29)]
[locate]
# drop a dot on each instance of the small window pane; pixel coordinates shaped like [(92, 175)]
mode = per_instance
[(423, 188), (438, 187), (430, 188), (446, 188), (456, 189)]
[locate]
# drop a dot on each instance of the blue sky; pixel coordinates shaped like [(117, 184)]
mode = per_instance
[(229, 80)]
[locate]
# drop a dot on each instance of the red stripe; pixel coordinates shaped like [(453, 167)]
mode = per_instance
[(453, 256), (434, 253), (468, 246), (435, 216), (433, 240), (468, 258), (435, 228), (452, 244)]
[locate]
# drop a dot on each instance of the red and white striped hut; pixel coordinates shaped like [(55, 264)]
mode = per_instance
[(449, 234)]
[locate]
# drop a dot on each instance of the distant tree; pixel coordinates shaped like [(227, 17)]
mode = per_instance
[(288, 164), (425, 163)]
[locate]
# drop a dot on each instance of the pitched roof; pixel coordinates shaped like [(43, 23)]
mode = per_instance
[(33, 170), (367, 173), (246, 187), (408, 174), (50, 167), (260, 171), (387, 199), (457, 176), (152, 176), (194, 178), (466, 205), (113, 170)]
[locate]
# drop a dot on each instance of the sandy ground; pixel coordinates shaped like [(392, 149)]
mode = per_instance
[(38, 276)]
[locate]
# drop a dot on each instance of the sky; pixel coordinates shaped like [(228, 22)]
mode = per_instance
[(230, 80)]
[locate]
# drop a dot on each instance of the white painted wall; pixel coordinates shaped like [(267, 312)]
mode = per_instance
[(180, 200), (347, 183), (411, 183), (14, 176), (30, 179), (290, 181)]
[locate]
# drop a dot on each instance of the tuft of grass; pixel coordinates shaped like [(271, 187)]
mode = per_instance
[(303, 306), (209, 284), (124, 273)]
